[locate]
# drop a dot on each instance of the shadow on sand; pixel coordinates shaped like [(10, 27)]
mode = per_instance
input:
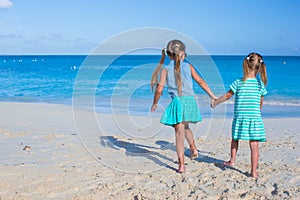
[(140, 150), (136, 150)]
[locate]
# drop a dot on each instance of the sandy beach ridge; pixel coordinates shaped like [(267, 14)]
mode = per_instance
[(46, 155)]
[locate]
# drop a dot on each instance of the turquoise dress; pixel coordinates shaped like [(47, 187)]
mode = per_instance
[(183, 108), (247, 121)]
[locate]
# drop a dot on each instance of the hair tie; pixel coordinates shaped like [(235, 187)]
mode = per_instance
[(261, 60), (248, 58)]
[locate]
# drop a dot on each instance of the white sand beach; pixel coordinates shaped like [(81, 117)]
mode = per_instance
[(50, 152)]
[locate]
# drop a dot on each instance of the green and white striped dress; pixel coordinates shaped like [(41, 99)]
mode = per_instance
[(247, 122)]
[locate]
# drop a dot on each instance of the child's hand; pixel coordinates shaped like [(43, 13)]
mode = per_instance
[(213, 103), (153, 107)]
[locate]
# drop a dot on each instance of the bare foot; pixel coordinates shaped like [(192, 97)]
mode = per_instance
[(254, 174), (229, 163), (181, 169), (194, 154)]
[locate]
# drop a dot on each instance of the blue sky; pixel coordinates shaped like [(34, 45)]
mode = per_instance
[(221, 27)]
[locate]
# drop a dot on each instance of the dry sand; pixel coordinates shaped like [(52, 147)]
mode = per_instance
[(49, 152)]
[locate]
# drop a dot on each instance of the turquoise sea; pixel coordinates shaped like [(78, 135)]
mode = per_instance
[(121, 83)]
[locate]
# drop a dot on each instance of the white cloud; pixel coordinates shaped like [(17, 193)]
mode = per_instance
[(5, 4)]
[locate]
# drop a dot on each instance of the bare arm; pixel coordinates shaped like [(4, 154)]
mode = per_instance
[(202, 83), (159, 89), (261, 102), (223, 98)]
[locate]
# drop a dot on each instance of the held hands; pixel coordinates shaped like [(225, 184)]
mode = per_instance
[(213, 99), (213, 103)]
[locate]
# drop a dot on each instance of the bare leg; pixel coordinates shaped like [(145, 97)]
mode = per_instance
[(234, 149), (179, 136), (254, 157), (189, 136)]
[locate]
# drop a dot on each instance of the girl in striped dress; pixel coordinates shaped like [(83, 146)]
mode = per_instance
[(247, 122), (178, 75)]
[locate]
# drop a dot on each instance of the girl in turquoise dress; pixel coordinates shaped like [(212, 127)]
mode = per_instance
[(179, 75), (247, 121)]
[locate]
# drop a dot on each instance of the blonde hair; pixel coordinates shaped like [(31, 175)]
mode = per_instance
[(176, 51), (254, 61)]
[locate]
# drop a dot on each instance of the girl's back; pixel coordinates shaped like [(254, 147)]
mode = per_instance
[(248, 96), (187, 82)]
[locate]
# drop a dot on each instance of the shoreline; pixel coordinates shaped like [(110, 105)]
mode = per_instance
[(268, 111), (83, 155)]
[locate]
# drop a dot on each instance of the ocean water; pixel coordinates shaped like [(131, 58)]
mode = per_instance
[(121, 84)]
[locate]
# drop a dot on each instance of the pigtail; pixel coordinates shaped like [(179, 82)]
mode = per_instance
[(263, 73), (177, 74), (154, 78), (246, 67)]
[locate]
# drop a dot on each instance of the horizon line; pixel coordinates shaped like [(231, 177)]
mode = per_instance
[(140, 55)]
